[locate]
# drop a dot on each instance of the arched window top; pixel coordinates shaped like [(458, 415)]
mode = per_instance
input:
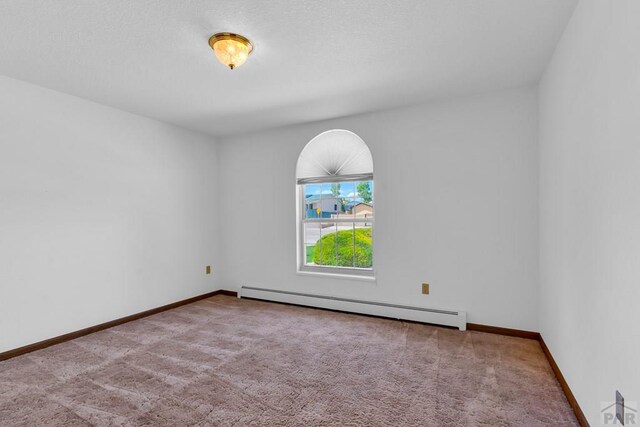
[(335, 155)]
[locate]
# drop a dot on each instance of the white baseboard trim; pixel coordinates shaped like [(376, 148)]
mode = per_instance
[(453, 318)]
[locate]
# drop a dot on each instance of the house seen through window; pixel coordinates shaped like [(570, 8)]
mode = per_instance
[(336, 200)]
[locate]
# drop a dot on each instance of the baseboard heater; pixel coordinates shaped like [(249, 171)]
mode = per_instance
[(457, 319)]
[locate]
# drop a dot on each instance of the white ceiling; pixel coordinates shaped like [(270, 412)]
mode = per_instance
[(313, 60)]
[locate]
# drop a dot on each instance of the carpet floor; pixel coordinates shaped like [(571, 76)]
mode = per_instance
[(228, 362)]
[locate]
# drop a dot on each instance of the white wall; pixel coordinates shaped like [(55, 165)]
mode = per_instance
[(102, 213), (590, 203), (456, 205)]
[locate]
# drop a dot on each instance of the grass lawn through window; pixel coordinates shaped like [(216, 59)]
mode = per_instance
[(310, 251), (339, 249)]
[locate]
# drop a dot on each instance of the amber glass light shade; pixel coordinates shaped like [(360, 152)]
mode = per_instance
[(231, 49)]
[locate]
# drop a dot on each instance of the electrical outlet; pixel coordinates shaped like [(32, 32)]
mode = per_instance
[(425, 288), (208, 269), (619, 407)]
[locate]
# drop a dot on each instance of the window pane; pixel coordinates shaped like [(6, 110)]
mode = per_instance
[(328, 233), (345, 195), (312, 189), (312, 200), (344, 210), (326, 190), (363, 203), (347, 189), (363, 255), (325, 250), (331, 205), (364, 191), (345, 245), (310, 239), (334, 195)]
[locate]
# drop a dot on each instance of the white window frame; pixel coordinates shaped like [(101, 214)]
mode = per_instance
[(327, 270)]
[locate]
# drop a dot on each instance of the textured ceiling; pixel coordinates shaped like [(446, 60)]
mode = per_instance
[(313, 60)]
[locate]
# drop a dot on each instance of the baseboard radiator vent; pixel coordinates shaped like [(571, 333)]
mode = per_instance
[(456, 319)]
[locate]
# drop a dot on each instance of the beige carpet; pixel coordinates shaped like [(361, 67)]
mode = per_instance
[(229, 362)]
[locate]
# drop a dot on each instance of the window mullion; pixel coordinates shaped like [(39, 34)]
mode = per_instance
[(353, 254), (341, 220), (319, 244), (336, 243)]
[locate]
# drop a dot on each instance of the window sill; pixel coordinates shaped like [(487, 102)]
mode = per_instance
[(342, 276)]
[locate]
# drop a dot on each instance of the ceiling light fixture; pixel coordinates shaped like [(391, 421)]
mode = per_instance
[(231, 49)]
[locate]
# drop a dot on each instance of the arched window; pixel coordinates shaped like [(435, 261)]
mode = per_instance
[(335, 205)]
